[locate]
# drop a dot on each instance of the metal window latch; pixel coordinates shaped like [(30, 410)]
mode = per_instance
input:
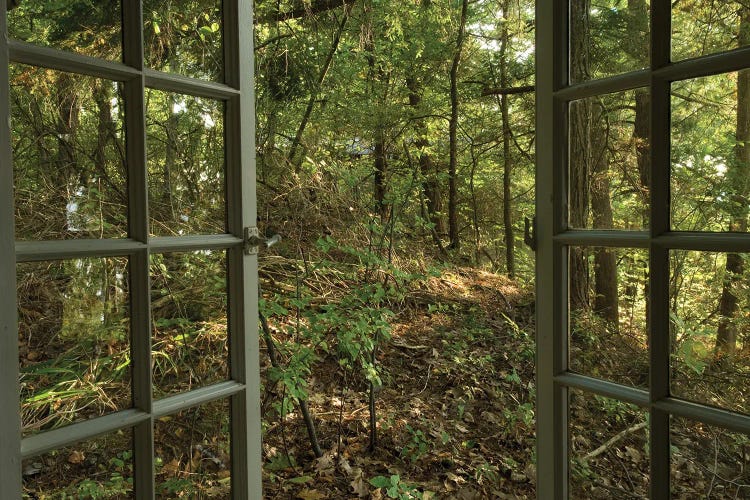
[(529, 232), (253, 240)]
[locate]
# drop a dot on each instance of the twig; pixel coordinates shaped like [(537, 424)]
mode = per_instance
[(613, 440), (302, 403)]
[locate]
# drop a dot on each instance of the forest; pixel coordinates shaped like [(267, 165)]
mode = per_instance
[(395, 152)]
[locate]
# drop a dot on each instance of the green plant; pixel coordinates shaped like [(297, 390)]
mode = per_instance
[(417, 445), (487, 472), (395, 487)]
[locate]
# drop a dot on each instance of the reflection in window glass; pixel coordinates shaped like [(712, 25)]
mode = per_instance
[(710, 321), (74, 345), (184, 37), (68, 156), (711, 153), (608, 37), (708, 462), (98, 468), (700, 27), (186, 170), (192, 450), (189, 318), (89, 27), (609, 455), (609, 161), (608, 337)]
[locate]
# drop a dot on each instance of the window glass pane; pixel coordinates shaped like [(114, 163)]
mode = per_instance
[(700, 27), (711, 153), (609, 456), (608, 325), (193, 458), (184, 37), (98, 468), (189, 317), (74, 341), (186, 170), (608, 37), (609, 164), (710, 324), (68, 155), (89, 27), (708, 462)]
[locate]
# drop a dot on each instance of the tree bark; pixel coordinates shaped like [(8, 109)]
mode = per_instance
[(453, 229), (606, 302), (638, 17), (427, 168), (580, 149), (510, 263), (727, 334)]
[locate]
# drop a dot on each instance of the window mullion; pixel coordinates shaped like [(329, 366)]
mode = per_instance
[(243, 269), (140, 303), (659, 323), (10, 437), (551, 42)]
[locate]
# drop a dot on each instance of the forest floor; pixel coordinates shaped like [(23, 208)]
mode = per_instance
[(455, 414)]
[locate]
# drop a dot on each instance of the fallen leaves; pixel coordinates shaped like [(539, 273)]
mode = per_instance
[(76, 457), (308, 494)]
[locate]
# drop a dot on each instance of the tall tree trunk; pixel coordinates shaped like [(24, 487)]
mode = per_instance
[(381, 174), (580, 150), (638, 18), (726, 335), (430, 184), (453, 230), (510, 264), (376, 74), (606, 302)]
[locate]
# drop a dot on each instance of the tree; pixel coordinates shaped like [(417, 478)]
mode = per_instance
[(453, 228), (726, 335)]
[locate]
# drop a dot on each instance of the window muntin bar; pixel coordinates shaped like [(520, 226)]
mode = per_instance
[(243, 402), (554, 379), (10, 450)]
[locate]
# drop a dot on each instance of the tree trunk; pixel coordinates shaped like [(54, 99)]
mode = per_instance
[(453, 229), (580, 150), (638, 16), (727, 335), (380, 160), (510, 264), (606, 302), (642, 140), (428, 171), (381, 173)]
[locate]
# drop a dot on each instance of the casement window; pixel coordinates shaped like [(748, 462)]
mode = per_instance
[(571, 75), (95, 209)]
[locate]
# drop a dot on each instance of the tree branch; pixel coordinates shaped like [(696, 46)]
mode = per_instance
[(302, 9), (508, 91)]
